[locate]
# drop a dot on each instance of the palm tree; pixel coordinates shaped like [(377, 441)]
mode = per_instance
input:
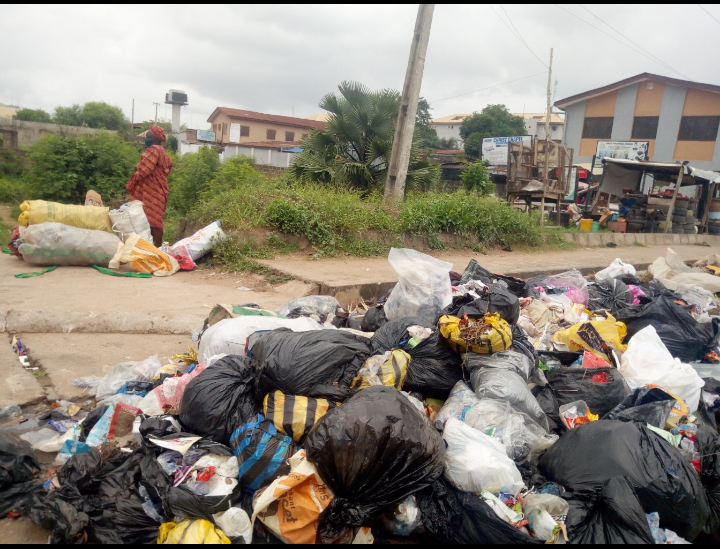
[(354, 147)]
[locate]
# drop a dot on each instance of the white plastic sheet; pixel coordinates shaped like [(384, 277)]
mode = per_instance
[(615, 269), (647, 360), (423, 287), (674, 274)]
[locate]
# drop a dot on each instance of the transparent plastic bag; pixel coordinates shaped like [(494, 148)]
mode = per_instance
[(504, 360), (130, 218), (58, 244), (123, 372), (404, 519), (423, 287), (572, 283), (321, 306), (522, 437), (615, 269), (475, 462), (462, 398)]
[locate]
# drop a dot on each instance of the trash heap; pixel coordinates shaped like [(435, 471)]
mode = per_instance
[(473, 408), (114, 242)]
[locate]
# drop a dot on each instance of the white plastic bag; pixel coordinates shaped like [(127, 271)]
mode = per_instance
[(462, 398), (201, 242), (130, 218), (647, 360), (59, 244), (230, 335), (124, 372), (423, 287), (674, 274), (615, 269), (235, 523), (475, 462)]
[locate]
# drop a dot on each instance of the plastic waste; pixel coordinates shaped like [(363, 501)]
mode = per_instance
[(475, 462), (571, 283), (295, 415), (291, 506), (599, 337), (319, 364), (191, 532), (616, 269), (18, 466), (320, 306), (657, 474), (504, 360), (142, 257), (543, 512), (600, 388), (500, 301), (647, 360), (401, 453), (130, 218), (485, 335), (404, 519), (423, 287), (388, 369), (123, 372), (34, 212), (374, 319), (462, 398), (58, 244), (650, 405), (10, 411), (611, 295), (229, 336), (220, 398), (235, 524), (200, 242)]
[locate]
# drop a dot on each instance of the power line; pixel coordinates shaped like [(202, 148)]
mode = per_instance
[(710, 14), (634, 43), (488, 88), (611, 36), (516, 34)]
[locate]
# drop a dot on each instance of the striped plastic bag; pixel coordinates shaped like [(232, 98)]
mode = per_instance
[(143, 257), (486, 335), (295, 415), (388, 369), (262, 453)]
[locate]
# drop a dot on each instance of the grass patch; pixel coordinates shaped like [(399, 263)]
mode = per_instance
[(232, 256)]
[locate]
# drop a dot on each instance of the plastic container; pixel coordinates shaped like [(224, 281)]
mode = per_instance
[(586, 225), (595, 226)]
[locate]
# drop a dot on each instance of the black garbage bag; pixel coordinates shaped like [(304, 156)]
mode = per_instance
[(16, 497), (475, 272), (647, 405), (501, 301), (511, 361), (374, 319), (612, 295), (710, 417), (18, 462), (590, 385), (450, 516), (90, 420), (683, 336), (373, 451), (612, 516), (262, 451), (319, 364), (709, 449), (63, 511), (394, 333), (522, 344), (588, 457), (159, 427), (220, 398)]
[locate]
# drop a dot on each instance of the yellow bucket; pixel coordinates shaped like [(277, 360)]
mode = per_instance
[(586, 225)]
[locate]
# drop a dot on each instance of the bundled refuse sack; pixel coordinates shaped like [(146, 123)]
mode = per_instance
[(497, 300), (474, 271), (611, 295), (18, 466), (373, 451), (58, 244), (608, 465), (321, 306), (220, 398), (683, 336), (374, 319), (601, 388), (646, 405), (434, 368), (709, 449), (504, 360), (317, 364)]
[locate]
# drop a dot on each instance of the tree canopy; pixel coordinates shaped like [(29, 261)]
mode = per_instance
[(354, 147), (33, 115), (94, 114), (425, 134), (493, 121)]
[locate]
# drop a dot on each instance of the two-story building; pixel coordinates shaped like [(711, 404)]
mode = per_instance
[(239, 126), (673, 119)]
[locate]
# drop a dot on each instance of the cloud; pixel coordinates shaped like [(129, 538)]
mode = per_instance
[(282, 59)]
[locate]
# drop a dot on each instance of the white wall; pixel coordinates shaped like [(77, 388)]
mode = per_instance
[(268, 157), (446, 131), (538, 130)]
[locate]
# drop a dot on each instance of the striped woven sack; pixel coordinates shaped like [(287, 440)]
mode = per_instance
[(294, 415), (495, 336), (389, 369), (262, 453)]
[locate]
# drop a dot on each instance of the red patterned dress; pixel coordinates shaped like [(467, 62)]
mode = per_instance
[(149, 184)]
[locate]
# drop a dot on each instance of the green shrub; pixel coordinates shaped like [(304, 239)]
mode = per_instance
[(191, 173), (476, 177), (64, 168), (12, 191)]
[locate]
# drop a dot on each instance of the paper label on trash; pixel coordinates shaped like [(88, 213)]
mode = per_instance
[(181, 445)]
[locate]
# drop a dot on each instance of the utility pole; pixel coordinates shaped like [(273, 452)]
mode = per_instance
[(132, 115), (400, 156), (156, 108), (548, 137)]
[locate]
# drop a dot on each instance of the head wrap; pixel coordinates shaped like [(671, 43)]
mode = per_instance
[(158, 132)]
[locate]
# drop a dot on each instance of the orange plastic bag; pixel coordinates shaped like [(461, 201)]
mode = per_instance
[(143, 257)]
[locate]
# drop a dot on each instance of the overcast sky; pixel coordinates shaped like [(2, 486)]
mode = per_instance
[(283, 59)]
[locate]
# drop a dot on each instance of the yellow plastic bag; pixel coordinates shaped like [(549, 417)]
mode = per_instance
[(595, 336), (143, 257), (486, 335), (85, 217), (389, 369), (191, 532), (290, 507), (294, 415)]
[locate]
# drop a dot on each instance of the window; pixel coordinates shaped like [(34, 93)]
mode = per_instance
[(598, 127), (224, 128), (215, 127), (271, 135), (244, 131), (699, 128), (645, 127), (289, 136)]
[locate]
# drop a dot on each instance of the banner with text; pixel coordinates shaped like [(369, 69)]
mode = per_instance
[(495, 149)]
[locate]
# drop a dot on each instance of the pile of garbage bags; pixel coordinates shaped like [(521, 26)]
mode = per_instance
[(481, 408), (54, 234)]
